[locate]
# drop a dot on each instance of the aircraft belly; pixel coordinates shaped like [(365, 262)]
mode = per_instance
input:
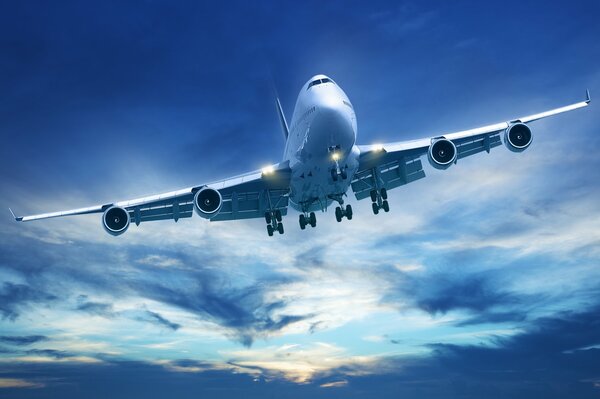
[(312, 183)]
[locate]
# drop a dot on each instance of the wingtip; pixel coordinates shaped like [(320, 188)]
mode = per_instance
[(18, 219), (588, 99)]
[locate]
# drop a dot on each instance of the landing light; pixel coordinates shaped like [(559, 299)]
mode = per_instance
[(267, 170), (377, 147), (335, 156)]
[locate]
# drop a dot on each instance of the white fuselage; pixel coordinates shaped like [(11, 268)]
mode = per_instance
[(322, 131)]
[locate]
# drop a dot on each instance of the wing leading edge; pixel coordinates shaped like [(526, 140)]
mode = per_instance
[(394, 164), (244, 196)]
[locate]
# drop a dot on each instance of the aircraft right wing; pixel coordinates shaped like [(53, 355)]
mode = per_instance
[(246, 196), (391, 165)]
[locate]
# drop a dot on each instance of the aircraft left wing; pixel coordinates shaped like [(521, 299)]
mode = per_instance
[(246, 196), (387, 166)]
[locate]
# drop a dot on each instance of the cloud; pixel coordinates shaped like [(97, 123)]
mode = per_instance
[(18, 383), (157, 319), (13, 296), (22, 340), (97, 308)]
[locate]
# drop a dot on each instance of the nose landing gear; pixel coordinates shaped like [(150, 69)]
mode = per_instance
[(337, 171)]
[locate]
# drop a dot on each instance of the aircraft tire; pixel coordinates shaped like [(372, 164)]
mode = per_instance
[(373, 195), (383, 193), (375, 208)]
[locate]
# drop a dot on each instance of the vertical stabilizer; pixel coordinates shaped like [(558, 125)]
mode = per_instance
[(284, 126)]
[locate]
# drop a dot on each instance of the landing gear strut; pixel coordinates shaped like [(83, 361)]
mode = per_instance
[(379, 199), (273, 219)]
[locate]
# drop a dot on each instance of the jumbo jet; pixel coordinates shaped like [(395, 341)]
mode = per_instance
[(321, 163)]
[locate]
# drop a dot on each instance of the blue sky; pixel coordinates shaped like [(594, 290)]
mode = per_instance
[(482, 281)]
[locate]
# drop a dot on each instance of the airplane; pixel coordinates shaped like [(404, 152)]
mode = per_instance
[(321, 162)]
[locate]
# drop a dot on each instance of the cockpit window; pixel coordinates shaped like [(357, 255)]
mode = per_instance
[(318, 82)]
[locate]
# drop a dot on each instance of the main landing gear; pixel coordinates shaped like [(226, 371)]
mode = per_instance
[(307, 219), (274, 222), (340, 212), (379, 199)]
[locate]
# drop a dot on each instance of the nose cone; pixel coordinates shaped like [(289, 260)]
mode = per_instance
[(332, 126)]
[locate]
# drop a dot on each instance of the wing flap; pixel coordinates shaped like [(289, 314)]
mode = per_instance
[(247, 205), (474, 145), (389, 175)]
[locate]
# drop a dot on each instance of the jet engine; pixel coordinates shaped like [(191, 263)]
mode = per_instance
[(115, 220), (518, 137), (442, 153), (207, 202)]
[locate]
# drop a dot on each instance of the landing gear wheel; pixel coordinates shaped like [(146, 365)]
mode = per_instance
[(313, 219), (280, 228), (375, 208), (334, 175), (386, 206), (349, 212), (373, 195), (268, 217), (278, 215), (302, 221), (344, 174), (383, 194), (270, 230), (338, 214)]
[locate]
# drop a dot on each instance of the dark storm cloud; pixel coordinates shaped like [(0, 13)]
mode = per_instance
[(14, 296), (22, 340)]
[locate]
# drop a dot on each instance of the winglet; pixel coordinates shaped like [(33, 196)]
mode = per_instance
[(588, 99), (18, 219)]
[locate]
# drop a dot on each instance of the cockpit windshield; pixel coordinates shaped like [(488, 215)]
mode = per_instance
[(318, 82)]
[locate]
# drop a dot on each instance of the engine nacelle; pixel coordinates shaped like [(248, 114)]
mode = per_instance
[(442, 153), (115, 220), (518, 137), (207, 202)]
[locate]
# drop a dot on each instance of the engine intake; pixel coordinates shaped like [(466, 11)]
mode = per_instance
[(442, 153), (207, 202), (518, 137), (115, 220)]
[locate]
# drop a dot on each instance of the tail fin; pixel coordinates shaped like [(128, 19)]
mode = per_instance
[(284, 126)]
